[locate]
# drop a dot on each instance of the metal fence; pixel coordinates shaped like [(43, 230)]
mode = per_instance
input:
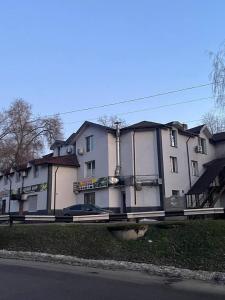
[(112, 217)]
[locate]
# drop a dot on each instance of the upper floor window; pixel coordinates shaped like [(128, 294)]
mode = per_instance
[(5, 180), (89, 143), (58, 151), (202, 144), (17, 176), (173, 138), (90, 168), (194, 167), (173, 164), (36, 171)]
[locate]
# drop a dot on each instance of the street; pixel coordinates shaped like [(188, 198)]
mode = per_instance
[(33, 280)]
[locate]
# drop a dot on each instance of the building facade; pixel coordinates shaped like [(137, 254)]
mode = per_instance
[(142, 167)]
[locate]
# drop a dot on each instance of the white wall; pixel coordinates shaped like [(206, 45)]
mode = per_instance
[(180, 181), (65, 177), (30, 180), (127, 154), (99, 153), (146, 163)]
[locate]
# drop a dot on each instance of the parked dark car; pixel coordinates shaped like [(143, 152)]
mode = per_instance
[(84, 209)]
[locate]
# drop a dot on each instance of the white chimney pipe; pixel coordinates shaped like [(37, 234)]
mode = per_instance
[(118, 163)]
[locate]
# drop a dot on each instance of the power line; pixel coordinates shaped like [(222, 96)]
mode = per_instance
[(132, 100), (152, 108)]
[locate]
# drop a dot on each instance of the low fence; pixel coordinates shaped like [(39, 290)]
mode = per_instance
[(112, 217)]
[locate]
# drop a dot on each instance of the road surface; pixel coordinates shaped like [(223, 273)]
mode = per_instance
[(24, 280)]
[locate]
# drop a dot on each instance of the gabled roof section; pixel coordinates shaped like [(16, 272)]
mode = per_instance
[(65, 160), (144, 125), (218, 137), (196, 130), (72, 138)]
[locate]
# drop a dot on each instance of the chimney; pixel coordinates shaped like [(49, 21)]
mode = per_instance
[(185, 126)]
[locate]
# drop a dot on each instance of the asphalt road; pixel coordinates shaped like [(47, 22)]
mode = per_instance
[(24, 280)]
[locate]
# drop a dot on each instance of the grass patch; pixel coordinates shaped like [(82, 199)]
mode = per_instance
[(192, 244)]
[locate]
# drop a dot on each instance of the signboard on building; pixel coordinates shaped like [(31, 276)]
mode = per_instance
[(90, 183), (35, 188)]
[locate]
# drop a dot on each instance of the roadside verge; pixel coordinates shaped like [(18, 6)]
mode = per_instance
[(168, 271)]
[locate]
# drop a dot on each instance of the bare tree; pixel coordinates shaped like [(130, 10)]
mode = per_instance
[(22, 136), (218, 75), (214, 122), (111, 120)]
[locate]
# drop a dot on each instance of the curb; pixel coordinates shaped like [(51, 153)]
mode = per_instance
[(169, 271)]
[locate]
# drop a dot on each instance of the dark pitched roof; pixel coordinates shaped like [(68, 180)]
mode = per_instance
[(65, 160), (218, 137), (145, 125), (48, 155), (213, 169), (196, 130)]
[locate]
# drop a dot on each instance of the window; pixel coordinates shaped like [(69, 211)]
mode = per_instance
[(202, 144), (175, 193), (89, 198), (17, 176), (173, 164), (90, 168), (36, 171), (89, 143), (32, 203), (194, 167), (5, 180), (173, 138), (58, 151)]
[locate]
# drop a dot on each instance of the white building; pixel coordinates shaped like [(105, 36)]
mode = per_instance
[(43, 185), (145, 166)]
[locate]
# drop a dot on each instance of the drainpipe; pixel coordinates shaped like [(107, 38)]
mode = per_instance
[(21, 201), (134, 163), (55, 188), (118, 161), (10, 193), (188, 158)]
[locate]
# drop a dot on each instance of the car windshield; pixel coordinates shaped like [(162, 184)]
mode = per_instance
[(95, 207)]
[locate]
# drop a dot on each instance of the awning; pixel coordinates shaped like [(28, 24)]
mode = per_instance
[(213, 169)]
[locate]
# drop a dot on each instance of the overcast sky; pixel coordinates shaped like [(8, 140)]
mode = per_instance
[(66, 55)]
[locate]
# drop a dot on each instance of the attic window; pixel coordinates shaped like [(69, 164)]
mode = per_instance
[(89, 143), (173, 138)]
